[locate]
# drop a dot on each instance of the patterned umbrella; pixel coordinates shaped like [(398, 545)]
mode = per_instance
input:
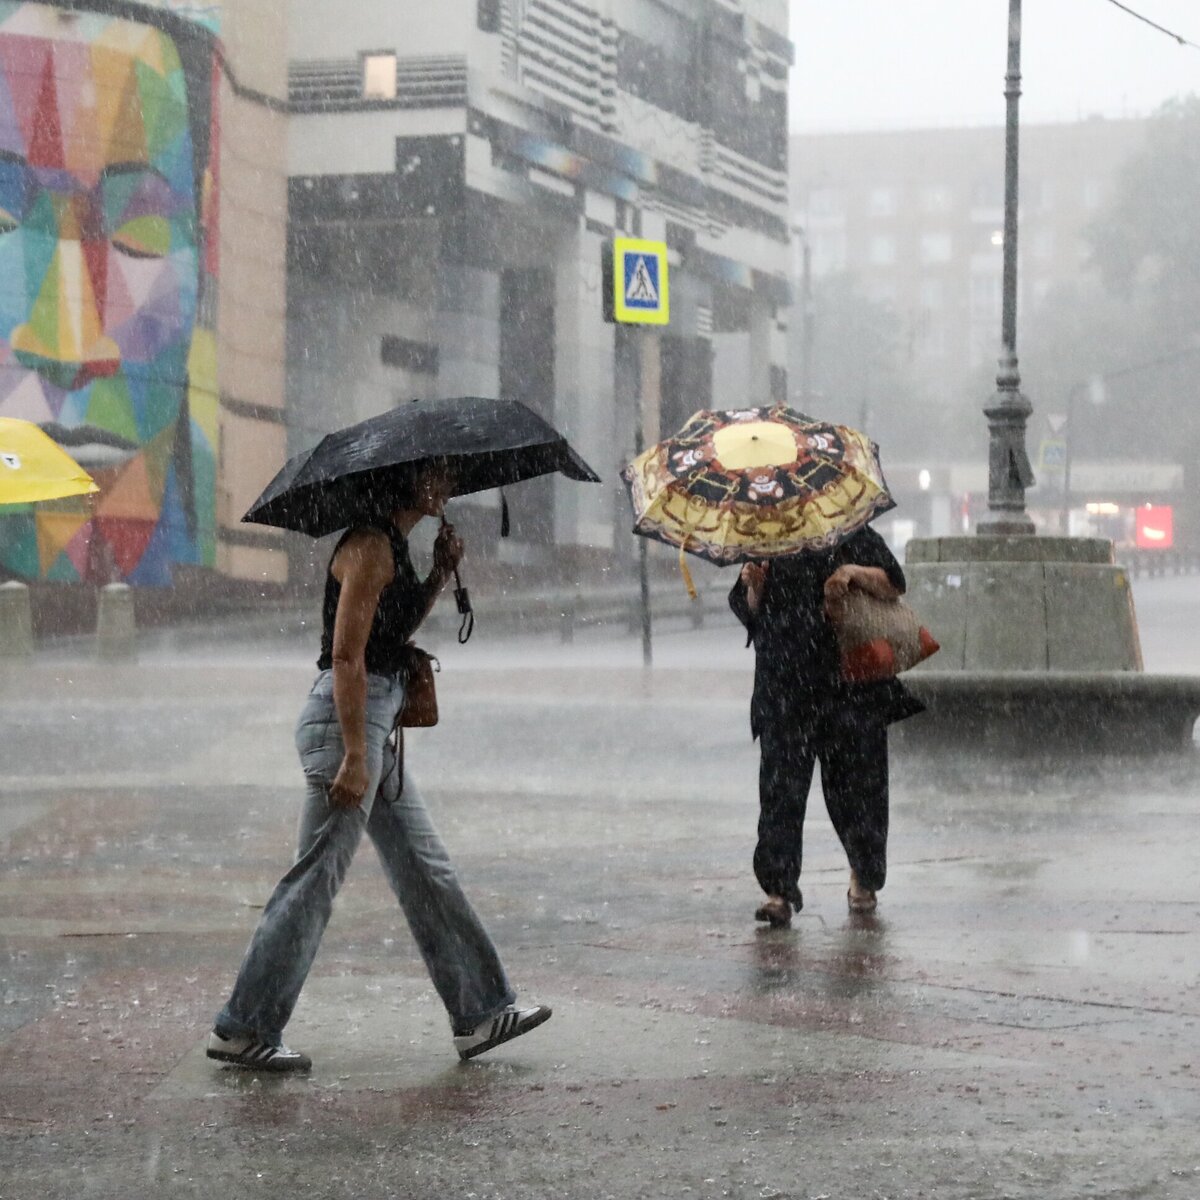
[(756, 483)]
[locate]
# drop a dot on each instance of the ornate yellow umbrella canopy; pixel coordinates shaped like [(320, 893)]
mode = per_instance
[(34, 467), (756, 483)]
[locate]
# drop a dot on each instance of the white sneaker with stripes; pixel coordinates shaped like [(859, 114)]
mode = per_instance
[(503, 1027), (258, 1056)]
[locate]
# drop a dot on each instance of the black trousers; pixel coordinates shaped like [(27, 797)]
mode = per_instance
[(854, 776)]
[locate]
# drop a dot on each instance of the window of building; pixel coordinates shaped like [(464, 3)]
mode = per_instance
[(882, 252), (936, 247), (933, 295), (983, 345), (882, 202), (933, 340), (1043, 244), (379, 76), (988, 193), (824, 202), (986, 295), (407, 355), (936, 198), (828, 252), (487, 15), (883, 293)]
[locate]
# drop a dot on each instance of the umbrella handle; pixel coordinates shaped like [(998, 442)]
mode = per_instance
[(462, 598)]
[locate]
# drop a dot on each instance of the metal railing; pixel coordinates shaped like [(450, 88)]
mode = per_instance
[(1151, 564)]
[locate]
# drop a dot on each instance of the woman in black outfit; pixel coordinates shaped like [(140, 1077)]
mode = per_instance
[(802, 711)]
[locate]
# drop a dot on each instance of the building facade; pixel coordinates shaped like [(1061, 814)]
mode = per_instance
[(455, 172), (142, 235), (917, 217)]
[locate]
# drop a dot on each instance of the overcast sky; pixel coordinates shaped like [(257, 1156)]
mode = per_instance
[(896, 63)]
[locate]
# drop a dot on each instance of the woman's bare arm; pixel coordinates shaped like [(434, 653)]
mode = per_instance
[(364, 567)]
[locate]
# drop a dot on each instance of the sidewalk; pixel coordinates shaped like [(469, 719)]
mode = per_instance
[(1020, 1019)]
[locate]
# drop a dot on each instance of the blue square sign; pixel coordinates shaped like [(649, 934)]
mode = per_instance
[(640, 284)]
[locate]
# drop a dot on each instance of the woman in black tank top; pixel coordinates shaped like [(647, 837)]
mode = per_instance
[(374, 602)]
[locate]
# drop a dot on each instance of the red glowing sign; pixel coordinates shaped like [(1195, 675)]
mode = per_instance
[(1155, 527)]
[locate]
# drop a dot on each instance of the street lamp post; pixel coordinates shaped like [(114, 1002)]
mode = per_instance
[(1039, 632), (1009, 472)]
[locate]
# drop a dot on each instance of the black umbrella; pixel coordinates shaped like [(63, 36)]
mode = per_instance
[(357, 474)]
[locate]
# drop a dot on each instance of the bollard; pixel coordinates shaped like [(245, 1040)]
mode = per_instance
[(116, 627), (16, 621)]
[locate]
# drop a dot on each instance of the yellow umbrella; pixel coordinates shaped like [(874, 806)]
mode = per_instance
[(755, 484), (34, 467)]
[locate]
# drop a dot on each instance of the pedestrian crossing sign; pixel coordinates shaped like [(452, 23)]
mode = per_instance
[(639, 282), (1053, 454)]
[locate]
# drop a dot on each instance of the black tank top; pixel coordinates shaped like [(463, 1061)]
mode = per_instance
[(401, 608)]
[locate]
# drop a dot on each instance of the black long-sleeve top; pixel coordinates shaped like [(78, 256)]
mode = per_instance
[(797, 675)]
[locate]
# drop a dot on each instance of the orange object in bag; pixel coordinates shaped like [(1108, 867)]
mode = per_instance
[(878, 639)]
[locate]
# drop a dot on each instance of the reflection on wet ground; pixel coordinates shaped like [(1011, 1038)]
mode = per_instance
[(1018, 1019)]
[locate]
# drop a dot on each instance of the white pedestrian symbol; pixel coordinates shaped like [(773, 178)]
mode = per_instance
[(641, 289), (11, 461)]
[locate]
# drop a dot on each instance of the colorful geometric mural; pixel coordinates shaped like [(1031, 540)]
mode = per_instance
[(108, 139)]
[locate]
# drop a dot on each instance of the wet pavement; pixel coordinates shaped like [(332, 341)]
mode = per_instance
[(1021, 1018)]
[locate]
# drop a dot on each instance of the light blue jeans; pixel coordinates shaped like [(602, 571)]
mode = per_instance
[(457, 950)]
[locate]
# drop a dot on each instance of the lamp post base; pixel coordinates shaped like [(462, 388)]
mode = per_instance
[(1020, 603), (1040, 651), (1006, 527)]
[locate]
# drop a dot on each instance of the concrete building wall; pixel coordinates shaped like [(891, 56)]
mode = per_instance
[(519, 139), (316, 31), (253, 304)]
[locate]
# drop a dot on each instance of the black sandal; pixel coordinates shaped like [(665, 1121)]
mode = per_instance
[(776, 911), (865, 901)]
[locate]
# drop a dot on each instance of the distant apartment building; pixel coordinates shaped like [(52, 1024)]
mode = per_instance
[(454, 172), (917, 217)]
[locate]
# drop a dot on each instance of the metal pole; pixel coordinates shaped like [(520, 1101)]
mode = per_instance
[(1009, 472), (631, 381), (649, 400), (639, 442), (806, 318), (1068, 453)]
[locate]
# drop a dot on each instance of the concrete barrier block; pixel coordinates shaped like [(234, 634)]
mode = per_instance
[(116, 626), (937, 594), (1009, 549), (1006, 617), (16, 621), (1090, 619)]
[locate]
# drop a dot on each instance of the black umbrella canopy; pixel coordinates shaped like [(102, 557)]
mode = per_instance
[(359, 473)]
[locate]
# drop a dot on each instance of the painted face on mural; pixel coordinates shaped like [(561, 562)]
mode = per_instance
[(100, 234)]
